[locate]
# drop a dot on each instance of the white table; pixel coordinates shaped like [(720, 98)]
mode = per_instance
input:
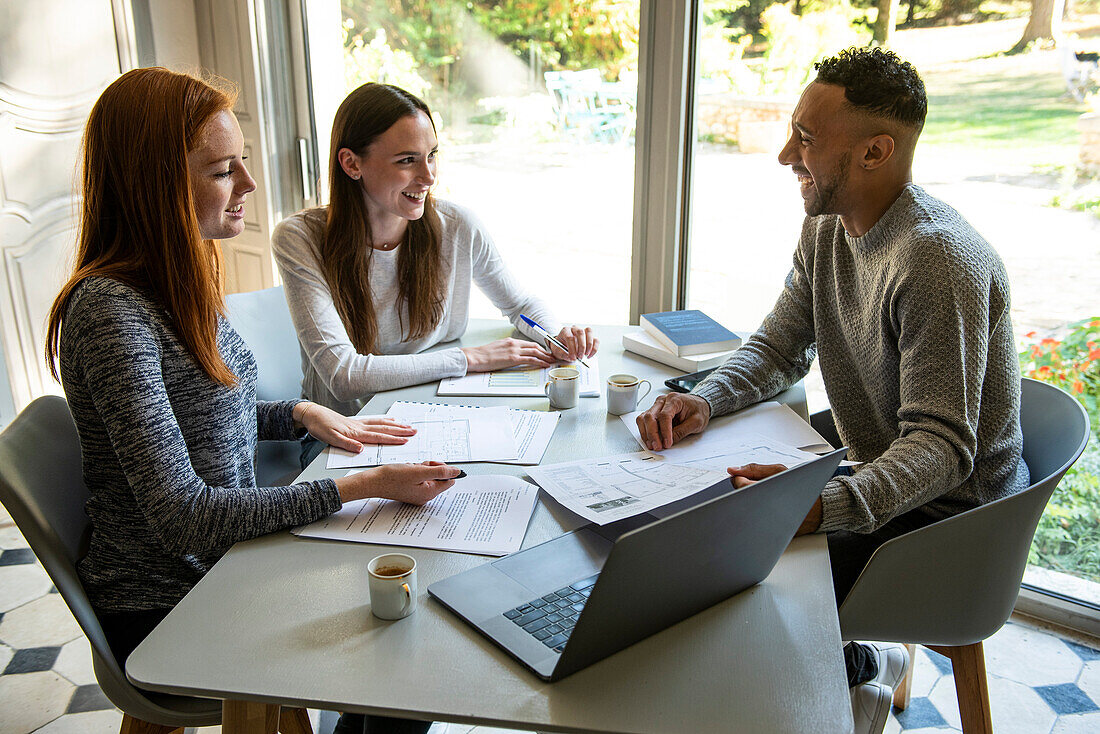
[(284, 620)]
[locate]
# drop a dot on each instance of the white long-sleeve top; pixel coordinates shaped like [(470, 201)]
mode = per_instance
[(334, 373)]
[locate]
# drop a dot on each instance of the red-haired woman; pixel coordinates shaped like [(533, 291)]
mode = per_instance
[(160, 386), (385, 270)]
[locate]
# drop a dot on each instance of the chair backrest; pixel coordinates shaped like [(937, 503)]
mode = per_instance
[(955, 582), (262, 318), (42, 488)]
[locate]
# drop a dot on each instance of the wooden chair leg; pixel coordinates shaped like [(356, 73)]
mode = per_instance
[(130, 725), (294, 721), (968, 667), (905, 687), (249, 717)]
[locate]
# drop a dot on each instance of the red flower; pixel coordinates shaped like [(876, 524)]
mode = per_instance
[(1078, 386), (1036, 352)]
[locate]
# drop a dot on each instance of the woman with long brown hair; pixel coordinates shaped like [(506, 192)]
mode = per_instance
[(384, 271), (161, 388)]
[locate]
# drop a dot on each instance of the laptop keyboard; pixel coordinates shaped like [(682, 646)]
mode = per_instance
[(550, 618)]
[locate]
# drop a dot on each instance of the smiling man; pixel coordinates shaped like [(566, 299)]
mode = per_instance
[(907, 309)]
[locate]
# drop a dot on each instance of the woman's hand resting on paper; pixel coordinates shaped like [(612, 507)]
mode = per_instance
[(580, 341), (505, 353), (349, 433), (412, 483)]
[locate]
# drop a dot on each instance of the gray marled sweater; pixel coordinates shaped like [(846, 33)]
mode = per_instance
[(911, 324), (167, 452)]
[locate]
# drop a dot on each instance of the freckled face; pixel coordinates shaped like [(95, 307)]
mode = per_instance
[(397, 170), (219, 180), (819, 150)]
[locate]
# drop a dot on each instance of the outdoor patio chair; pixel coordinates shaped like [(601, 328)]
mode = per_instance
[(1079, 69), (583, 102), (262, 318), (42, 488), (952, 584)]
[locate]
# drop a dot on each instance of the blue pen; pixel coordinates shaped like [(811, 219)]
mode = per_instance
[(546, 333)]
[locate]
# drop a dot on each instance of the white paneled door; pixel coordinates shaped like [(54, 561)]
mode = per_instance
[(57, 56)]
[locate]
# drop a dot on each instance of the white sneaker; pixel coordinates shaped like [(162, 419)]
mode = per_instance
[(870, 707), (893, 661)]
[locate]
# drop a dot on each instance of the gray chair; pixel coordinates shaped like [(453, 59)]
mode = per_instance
[(262, 318), (952, 584), (42, 488)]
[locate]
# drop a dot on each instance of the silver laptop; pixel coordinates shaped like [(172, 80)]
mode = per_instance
[(565, 604)]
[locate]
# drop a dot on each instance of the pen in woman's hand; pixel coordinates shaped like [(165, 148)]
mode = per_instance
[(549, 338)]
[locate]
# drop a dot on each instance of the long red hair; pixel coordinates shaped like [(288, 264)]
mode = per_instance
[(137, 220)]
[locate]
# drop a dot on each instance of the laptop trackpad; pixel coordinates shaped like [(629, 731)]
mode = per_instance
[(557, 563)]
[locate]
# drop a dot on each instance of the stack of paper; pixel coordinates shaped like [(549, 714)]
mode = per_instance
[(458, 433), (479, 514), (615, 487)]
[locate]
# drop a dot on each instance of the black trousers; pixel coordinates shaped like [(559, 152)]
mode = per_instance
[(848, 554)]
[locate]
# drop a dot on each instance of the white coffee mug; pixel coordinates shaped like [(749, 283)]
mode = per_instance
[(392, 585), (564, 387), (622, 393)]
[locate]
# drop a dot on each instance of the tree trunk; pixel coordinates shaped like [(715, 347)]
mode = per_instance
[(1045, 23), (886, 21)]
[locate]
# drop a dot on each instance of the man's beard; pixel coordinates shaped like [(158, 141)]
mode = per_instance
[(826, 199)]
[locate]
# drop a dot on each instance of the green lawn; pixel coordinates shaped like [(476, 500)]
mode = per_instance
[(1009, 103)]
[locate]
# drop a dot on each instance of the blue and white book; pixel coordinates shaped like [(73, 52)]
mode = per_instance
[(685, 333)]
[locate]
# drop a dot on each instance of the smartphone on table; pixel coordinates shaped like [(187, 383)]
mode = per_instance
[(685, 383)]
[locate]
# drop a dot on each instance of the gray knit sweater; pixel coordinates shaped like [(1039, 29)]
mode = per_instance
[(911, 324), (167, 452)]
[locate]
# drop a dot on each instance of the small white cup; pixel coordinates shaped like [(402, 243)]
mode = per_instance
[(622, 393), (392, 585), (564, 387)]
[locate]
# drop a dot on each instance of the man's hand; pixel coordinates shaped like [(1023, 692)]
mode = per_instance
[(745, 475), (672, 417)]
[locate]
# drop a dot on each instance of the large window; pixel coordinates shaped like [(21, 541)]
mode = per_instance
[(535, 106), (536, 103), (1001, 145)]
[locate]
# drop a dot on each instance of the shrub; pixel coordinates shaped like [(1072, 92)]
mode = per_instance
[(1068, 536), (1072, 363)]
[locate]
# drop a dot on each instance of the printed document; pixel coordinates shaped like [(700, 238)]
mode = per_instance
[(774, 421), (533, 430), (520, 381), (446, 433), (480, 514), (746, 448), (614, 487)]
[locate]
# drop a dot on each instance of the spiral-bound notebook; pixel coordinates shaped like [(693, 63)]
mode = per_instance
[(456, 434)]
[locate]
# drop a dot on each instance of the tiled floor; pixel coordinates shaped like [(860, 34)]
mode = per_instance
[(1039, 683)]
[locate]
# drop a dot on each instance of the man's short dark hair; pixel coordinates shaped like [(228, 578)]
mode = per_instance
[(878, 82)]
